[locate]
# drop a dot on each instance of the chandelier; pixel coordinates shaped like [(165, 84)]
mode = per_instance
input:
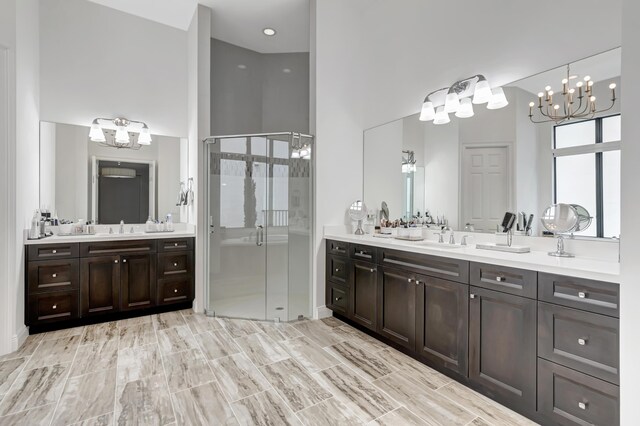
[(120, 133), (408, 162), (458, 99), (575, 102)]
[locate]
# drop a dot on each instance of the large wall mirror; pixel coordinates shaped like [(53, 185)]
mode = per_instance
[(469, 172), (81, 179)]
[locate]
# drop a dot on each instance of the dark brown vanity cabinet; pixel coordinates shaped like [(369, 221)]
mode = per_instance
[(442, 315), (397, 306), (67, 282), (100, 285), (502, 347), (542, 344), (363, 293)]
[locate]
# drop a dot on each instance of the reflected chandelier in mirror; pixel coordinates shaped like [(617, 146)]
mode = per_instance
[(120, 133)]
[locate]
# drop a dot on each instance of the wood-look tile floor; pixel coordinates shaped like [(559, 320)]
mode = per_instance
[(182, 368)]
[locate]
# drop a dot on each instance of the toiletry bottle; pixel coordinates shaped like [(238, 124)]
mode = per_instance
[(34, 232), (149, 225), (169, 222)]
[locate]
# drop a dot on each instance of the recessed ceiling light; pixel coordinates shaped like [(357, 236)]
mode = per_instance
[(286, 70), (242, 66), (269, 32)]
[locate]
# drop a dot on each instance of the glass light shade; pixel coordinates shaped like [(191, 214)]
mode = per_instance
[(144, 138), (466, 109), (96, 134), (451, 103), (482, 92), (498, 99), (441, 116), (295, 154), (122, 136), (427, 113), (304, 151)]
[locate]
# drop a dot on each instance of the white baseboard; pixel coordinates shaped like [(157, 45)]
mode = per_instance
[(322, 312), (19, 338)]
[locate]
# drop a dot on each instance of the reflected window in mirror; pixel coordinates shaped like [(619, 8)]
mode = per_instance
[(586, 152)]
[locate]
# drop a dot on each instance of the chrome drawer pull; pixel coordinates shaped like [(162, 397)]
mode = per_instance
[(582, 342), (582, 405), (175, 264), (54, 275), (175, 290), (499, 279), (54, 251), (54, 307), (124, 260), (175, 245), (582, 295)]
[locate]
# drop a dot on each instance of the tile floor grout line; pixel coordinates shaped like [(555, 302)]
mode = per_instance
[(115, 393), (66, 380), (164, 370)]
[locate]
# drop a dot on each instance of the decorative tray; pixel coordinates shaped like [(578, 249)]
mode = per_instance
[(410, 238)]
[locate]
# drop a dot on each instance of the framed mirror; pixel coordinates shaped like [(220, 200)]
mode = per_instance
[(81, 179), (466, 174)]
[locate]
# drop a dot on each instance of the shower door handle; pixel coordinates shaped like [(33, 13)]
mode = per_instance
[(259, 235)]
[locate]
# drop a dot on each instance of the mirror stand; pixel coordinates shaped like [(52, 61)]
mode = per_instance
[(359, 231), (560, 249)]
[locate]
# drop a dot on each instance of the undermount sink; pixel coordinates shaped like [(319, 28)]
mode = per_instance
[(445, 246), (503, 247)]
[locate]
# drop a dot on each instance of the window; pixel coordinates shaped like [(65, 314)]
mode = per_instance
[(587, 171)]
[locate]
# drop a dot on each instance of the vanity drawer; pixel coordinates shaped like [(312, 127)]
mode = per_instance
[(337, 248), (567, 397), (337, 298), (175, 244), (589, 295), (53, 275), (360, 252), (581, 340), (507, 280), (171, 264), (52, 251), (106, 248), (174, 290), (337, 269), (433, 266), (51, 307)]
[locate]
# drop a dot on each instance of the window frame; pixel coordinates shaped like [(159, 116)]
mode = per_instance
[(597, 148)]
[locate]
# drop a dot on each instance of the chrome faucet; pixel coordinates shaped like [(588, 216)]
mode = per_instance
[(452, 238), (440, 237), (122, 226), (464, 240)]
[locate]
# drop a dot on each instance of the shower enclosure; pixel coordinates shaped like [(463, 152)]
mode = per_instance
[(259, 201)]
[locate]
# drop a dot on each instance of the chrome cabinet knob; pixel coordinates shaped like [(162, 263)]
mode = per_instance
[(417, 282), (582, 405), (115, 261), (175, 290), (54, 275), (337, 269), (338, 299), (582, 341), (54, 251), (124, 260), (472, 296), (175, 244), (54, 307), (499, 279), (409, 280), (372, 270), (582, 295), (175, 264)]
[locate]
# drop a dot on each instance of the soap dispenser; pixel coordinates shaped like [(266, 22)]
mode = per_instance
[(169, 227), (34, 231)]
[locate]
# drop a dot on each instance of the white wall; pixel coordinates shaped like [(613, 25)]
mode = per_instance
[(100, 62), (48, 166), (629, 242), (337, 85)]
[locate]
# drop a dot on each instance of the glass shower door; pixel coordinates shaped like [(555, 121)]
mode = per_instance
[(238, 199)]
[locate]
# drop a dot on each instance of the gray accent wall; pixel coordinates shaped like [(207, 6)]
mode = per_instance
[(254, 92)]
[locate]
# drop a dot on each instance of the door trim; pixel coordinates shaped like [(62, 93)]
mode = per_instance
[(511, 173)]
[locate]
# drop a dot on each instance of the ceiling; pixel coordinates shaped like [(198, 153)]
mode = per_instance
[(239, 22)]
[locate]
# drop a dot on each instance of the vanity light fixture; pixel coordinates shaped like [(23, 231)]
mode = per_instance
[(300, 149), (459, 99), (120, 133), (575, 102)]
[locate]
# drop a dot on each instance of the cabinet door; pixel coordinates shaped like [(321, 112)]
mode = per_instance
[(396, 306), (364, 293), (442, 318), (99, 285), (138, 281), (502, 345)]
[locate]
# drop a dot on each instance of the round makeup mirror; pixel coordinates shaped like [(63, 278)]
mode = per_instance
[(560, 219), (357, 212), (584, 218)]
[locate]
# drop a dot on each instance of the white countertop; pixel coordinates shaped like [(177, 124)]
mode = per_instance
[(103, 235), (535, 260)]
